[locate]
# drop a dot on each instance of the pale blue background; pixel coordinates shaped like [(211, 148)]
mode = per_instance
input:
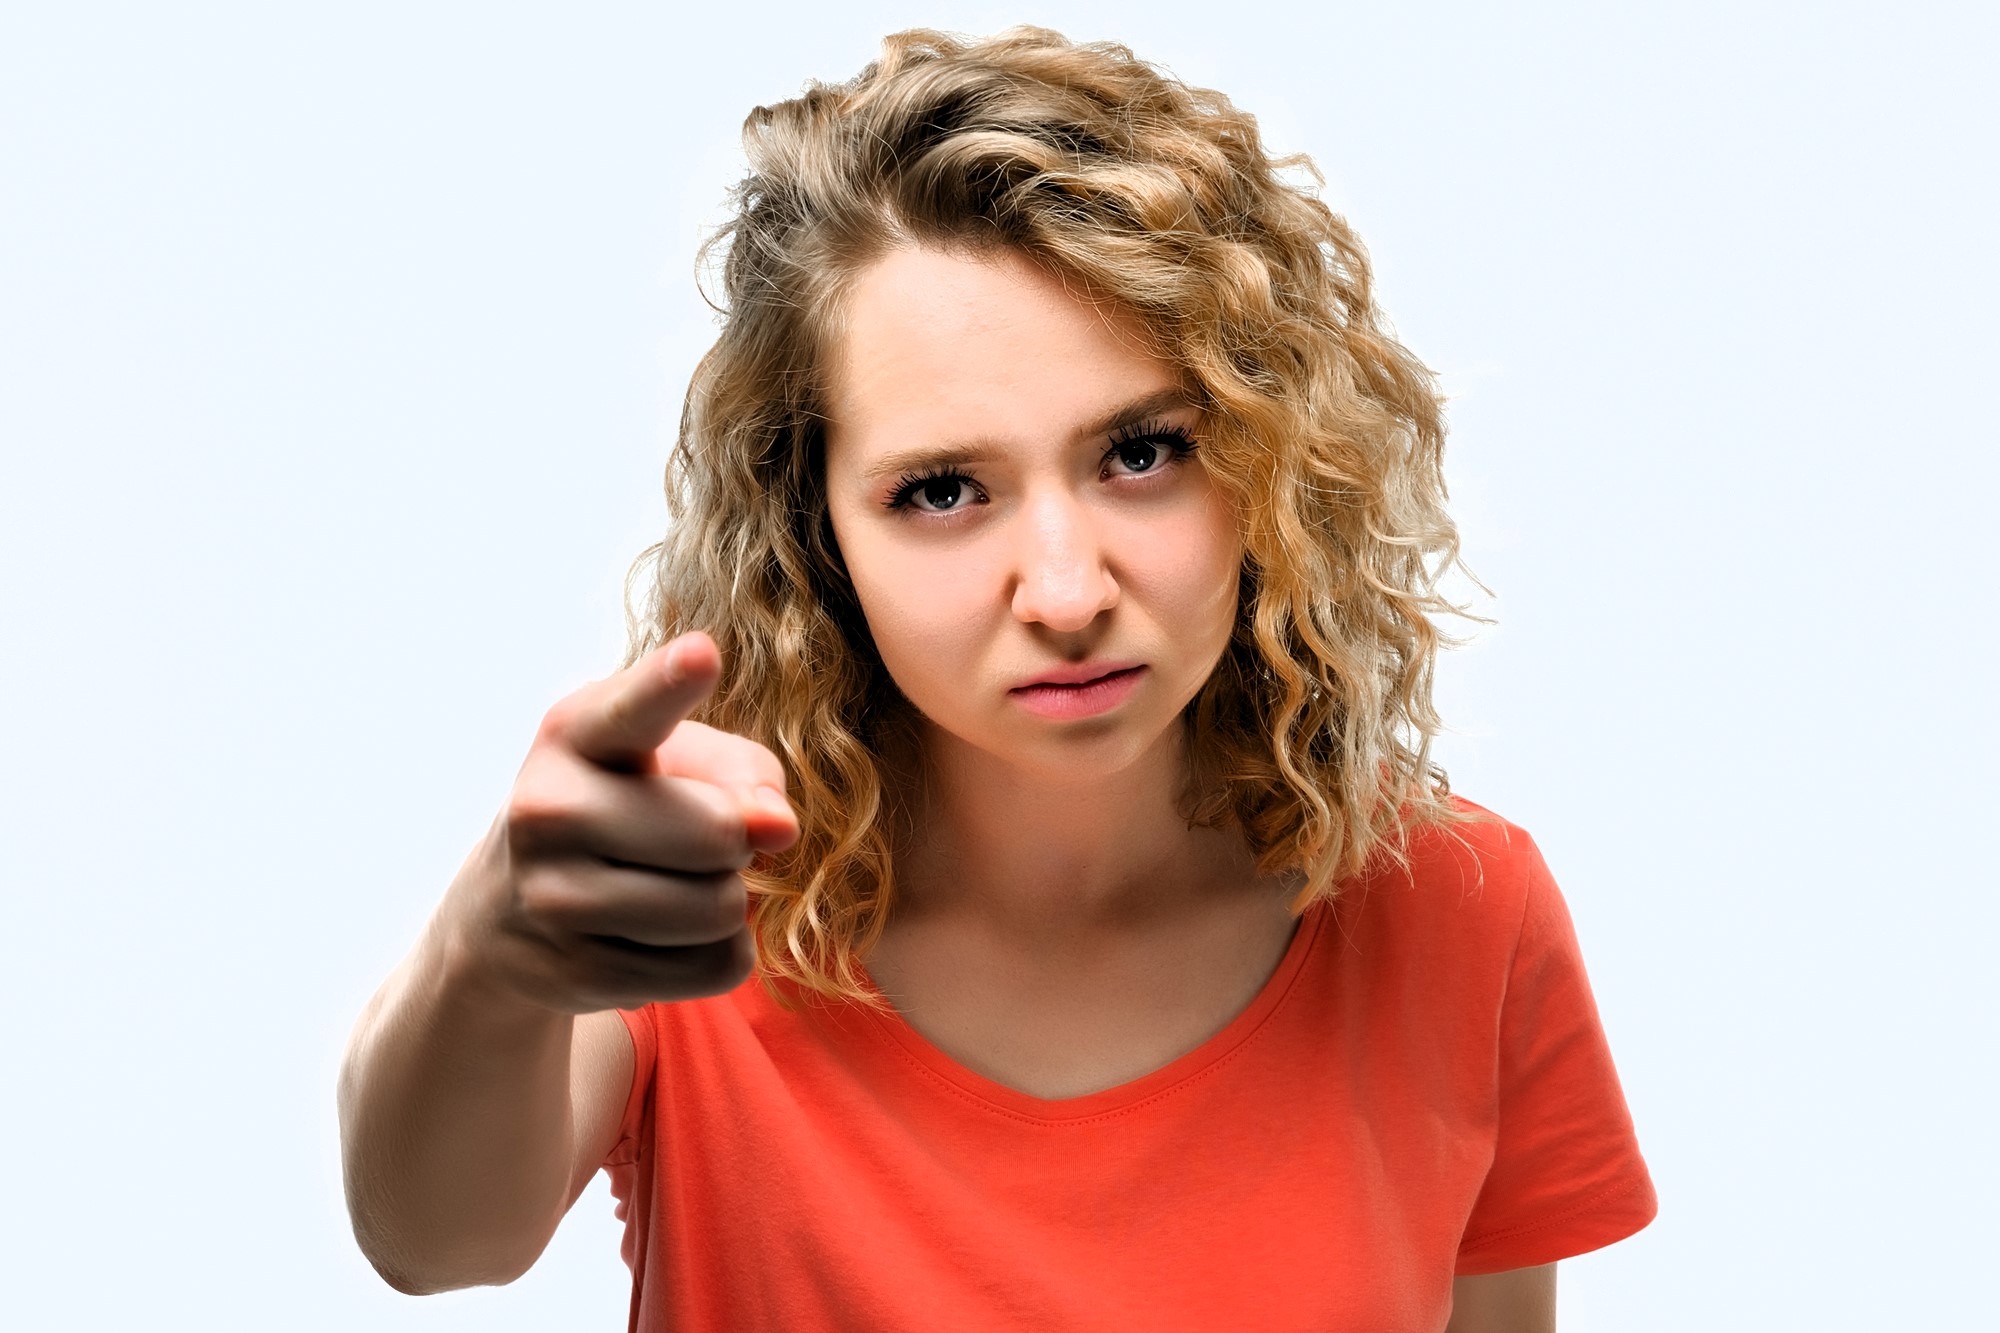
[(340, 347)]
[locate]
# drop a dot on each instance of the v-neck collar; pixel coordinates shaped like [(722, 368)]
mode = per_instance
[(891, 1025)]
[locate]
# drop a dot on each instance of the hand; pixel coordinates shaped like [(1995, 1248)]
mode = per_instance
[(612, 877)]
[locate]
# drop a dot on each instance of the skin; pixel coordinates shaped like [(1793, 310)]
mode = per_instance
[(483, 1083), (1110, 943), (1116, 938)]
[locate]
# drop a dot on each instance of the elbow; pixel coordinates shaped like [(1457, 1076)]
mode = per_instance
[(403, 1281), (423, 1261), (411, 1283), (427, 1276)]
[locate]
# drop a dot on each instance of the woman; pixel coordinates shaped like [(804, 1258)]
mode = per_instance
[(1056, 534)]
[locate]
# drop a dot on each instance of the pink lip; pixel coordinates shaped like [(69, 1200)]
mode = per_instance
[(1103, 689), (1080, 674)]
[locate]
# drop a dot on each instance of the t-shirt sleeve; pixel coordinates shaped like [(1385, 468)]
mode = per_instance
[(629, 1163), (645, 1052), (1566, 1176)]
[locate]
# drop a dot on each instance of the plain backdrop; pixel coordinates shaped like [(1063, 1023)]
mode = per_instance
[(340, 351)]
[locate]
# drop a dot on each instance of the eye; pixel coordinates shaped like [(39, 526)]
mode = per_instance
[(1146, 449), (1138, 455), (934, 493)]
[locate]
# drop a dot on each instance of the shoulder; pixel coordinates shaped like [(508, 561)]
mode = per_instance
[(1477, 872), (1443, 923)]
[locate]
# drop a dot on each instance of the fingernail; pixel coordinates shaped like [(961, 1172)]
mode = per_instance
[(673, 661), (772, 801)]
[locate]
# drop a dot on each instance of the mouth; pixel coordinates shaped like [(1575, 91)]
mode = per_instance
[(1095, 694), (1083, 674)]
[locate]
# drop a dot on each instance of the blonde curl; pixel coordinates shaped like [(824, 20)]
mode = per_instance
[(1313, 736)]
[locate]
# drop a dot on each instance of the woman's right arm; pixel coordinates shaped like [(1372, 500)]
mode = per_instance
[(485, 1081)]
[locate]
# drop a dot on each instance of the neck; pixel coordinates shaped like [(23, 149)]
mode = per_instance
[(1040, 854)]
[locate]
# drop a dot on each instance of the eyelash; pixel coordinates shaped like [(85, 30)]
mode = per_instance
[(1177, 441)]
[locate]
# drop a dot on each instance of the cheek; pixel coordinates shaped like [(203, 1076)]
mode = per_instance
[(921, 609), (1193, 566)]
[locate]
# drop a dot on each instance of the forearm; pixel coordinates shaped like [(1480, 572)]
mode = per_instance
[(471, 1111), (455, 1126)]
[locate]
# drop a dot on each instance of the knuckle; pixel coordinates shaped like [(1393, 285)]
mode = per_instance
[(714, 834), (732, 844), (559, 720), (548, 895), (534, 830), (769, 768), (541, 809)]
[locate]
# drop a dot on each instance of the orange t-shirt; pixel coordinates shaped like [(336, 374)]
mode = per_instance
[(1421, 1089)]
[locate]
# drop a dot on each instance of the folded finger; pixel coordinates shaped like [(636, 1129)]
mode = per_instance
[(599, 900)]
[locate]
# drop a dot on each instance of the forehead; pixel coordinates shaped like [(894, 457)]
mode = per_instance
[(937, 345)]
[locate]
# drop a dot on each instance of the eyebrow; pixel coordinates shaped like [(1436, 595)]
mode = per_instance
[(966, 452)]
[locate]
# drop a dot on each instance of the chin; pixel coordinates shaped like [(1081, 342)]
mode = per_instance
[(1076, 753)]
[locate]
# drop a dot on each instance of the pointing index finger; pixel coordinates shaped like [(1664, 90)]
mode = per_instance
[(621, 727)]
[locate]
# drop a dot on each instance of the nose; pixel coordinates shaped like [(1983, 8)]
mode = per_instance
[(1062, 579)]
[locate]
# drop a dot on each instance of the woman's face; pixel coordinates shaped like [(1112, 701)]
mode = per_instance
[(1013, 484)]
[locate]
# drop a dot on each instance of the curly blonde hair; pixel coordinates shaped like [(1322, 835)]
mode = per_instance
[(1313, 734)]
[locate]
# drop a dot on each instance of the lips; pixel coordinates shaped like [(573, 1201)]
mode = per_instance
[(1090, 696), (1083, 673)]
